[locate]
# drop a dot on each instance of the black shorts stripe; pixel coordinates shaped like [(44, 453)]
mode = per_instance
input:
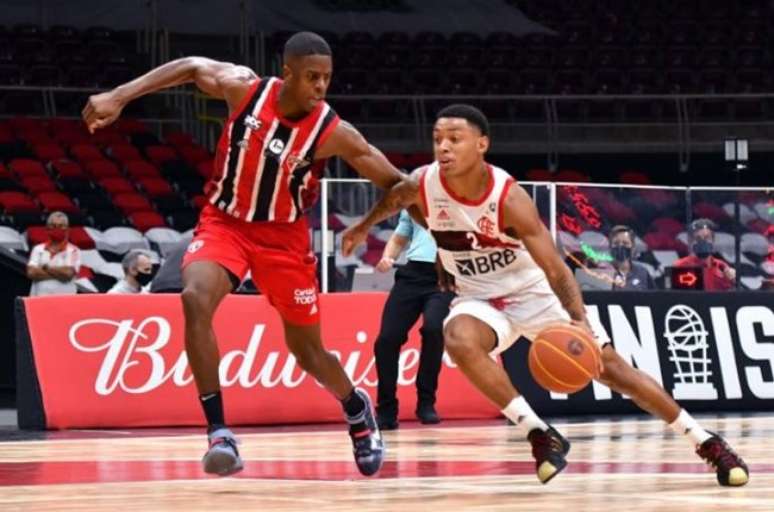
[(238, 130), (271, 167)]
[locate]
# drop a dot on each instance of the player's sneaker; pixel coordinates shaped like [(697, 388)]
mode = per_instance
[(367, 444), (549, 449), (729, 467), (222, 458)]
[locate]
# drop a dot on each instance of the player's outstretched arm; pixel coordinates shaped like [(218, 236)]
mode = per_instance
[(219, 79), (402, 195), (523, 221), (347, 143)]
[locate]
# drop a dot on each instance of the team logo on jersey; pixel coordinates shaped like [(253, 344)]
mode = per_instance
[(253, 123), (195, 246), (492, 206), (243, 143), (486, 263), (443, 215), (486, 225), (276, 146)]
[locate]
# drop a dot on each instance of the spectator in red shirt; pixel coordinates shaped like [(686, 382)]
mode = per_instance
[(718, 275)]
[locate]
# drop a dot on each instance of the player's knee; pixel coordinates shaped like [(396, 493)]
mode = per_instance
[(458, 340), (195, 303)]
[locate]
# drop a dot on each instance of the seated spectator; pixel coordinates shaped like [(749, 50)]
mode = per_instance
[(53, 265), (138, 272), (628, 275), (718, 275)]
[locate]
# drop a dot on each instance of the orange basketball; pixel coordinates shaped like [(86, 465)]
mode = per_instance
[(564, 358)]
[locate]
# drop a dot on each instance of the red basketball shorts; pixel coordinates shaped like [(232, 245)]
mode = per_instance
[(277, 254)]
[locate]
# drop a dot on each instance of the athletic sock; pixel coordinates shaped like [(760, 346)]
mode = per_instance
[(689, 427), (354, 409), (522, 415), (212, 405)]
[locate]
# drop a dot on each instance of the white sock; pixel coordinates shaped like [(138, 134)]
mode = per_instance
[(687, 426), (522, 415)]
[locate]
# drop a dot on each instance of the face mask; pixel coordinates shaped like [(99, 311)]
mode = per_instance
[(621, 253), (143, 278), (57, 235), (702, 248)]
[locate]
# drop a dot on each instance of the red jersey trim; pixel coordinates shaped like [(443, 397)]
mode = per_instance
[(464, 200), (501, 204)]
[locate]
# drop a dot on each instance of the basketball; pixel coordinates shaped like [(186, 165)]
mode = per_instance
[(564, 358)]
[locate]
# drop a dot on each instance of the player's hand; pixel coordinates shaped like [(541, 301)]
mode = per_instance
[(385, 264), (101, 110), (730, 273), (351, 238)]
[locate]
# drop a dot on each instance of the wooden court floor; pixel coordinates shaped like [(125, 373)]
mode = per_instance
[(633, 465)]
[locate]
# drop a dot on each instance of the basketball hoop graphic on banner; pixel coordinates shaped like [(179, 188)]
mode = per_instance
[(688, 348)]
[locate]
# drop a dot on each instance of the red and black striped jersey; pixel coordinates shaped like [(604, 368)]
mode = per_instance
[(264, 163)]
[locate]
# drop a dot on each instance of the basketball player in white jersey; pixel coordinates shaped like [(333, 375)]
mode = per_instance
[(512, 282)]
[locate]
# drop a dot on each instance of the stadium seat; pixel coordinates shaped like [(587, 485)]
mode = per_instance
[(77, 236), (120, 240), (163, 238), (123, 153), (56, 201), (101, 169), (64, 168), (86, 152), (17, 202), (160, 154), (183, 220), (115, 186), (131, 202), (12, 239), (27, 167), (145, 220), (137, 169), (37, 184), (156, 187), (48, 152)]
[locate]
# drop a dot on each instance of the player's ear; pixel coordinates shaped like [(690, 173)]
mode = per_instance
[(483, 144), (287, 72)]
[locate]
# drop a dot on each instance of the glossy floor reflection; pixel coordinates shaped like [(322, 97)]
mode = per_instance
[(636, 465)]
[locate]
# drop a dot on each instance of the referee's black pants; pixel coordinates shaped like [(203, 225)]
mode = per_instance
[(415, 293)]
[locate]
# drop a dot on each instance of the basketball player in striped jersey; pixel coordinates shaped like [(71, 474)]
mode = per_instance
[(267, 168), (511, 282)]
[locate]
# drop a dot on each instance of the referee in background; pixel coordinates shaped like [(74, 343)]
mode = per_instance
[(415, 293)]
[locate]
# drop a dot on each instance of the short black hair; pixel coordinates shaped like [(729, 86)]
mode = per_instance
[(621, 228), (467, 112), (302, 44), (703, 223)]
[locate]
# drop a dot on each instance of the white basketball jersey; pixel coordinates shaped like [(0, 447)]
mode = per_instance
[(472, 245)]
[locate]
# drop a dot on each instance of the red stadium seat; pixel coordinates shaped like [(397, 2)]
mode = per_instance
[(77, 236), (48, 152), (64, 168), (145, 220), (539, 175), (37, 184), (205, 168), (25, 123), (5, 173), (634, 178), (710, 211), (18, 202), (137, 169), (99, 169), (156, 187), (115, 186), (664, 242), (160, 154), (103, 138), (200, 201), (27, 167), (130, 203), (667, 225), (72, 138), (56, 201), (34, 136), (572, 175), (129, 126), (193, 154), (179, 139), (86, 153), (124, 153)]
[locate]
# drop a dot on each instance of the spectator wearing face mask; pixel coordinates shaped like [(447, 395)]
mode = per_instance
[(718, 275), (53, 265), (628, 275), (138, 272)]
